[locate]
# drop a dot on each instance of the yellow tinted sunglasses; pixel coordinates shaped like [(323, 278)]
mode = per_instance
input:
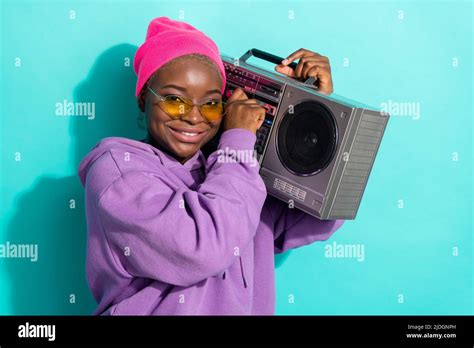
[(177, 106)]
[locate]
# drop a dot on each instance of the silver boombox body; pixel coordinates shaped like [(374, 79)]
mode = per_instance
[(315, 151)]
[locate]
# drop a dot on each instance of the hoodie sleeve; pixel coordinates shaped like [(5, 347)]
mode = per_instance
[(294, 228), (182, 236)]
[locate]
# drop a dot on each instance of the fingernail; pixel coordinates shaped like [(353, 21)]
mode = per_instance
[(284, 61)]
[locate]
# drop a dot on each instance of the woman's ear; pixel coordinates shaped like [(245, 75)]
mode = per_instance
[(141, 100), (142, 119)]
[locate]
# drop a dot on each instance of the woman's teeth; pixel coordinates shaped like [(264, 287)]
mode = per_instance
[(188, 134)]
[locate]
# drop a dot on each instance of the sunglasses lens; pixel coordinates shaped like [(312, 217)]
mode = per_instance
[(175, 106), (212, 111)]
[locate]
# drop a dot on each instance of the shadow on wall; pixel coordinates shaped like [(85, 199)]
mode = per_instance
[(43, 214), (281, 258)]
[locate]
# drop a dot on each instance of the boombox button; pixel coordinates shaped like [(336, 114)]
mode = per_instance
[(249, 89)]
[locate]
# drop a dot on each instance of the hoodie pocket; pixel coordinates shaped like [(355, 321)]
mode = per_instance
[(242, 269), (223, 274), (220, 275)]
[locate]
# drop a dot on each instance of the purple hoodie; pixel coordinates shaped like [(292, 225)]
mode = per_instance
[(192, 238)]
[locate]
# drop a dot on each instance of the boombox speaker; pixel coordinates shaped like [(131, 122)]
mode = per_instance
[(315, 151)]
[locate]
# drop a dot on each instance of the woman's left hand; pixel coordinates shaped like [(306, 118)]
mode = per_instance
[(311, 64)]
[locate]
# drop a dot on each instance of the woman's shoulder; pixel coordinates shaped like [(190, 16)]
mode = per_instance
[(114, 157)]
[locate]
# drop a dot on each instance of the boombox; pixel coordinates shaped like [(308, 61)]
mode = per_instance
[(315, 151)]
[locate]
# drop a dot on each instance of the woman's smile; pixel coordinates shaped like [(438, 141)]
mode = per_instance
[(187, 134)]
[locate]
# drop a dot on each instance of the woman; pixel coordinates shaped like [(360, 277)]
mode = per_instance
[(169, 230)]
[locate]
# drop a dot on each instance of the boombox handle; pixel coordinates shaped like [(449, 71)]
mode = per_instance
[(272, 59)]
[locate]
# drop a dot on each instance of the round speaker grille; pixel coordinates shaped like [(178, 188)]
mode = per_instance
[(307, 138)]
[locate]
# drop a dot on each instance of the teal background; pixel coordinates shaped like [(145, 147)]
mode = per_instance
[(408, 251)]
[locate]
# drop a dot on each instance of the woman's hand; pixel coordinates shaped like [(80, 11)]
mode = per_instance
[(311, 64), (242, 112)]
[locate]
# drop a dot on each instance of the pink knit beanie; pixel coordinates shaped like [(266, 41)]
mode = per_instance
[(167, 39)]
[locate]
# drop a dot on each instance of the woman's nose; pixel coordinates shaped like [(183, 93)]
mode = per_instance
[(193, 116)]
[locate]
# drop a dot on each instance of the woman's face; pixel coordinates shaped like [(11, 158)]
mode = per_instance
[(195, 80)]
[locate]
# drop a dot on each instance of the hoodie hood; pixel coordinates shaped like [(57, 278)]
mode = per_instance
[(136, 147)]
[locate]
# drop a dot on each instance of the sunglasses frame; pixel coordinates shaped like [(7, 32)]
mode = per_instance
[(188, 102)]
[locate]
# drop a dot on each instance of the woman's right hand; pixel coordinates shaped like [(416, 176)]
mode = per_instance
[(242, 112)]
